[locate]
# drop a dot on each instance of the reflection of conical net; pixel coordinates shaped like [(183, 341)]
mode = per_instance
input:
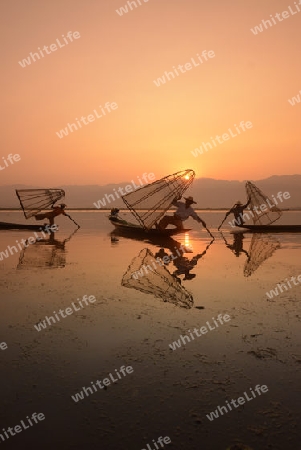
[(147, 275), (262, 247), (156, 198), (34, 200), (264, 211), (41, 255)]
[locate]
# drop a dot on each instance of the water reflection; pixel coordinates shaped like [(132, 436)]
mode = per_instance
[(237, 246), (45, 253), (157, 240), (148, 272), (262, 247), (182, 263), (147, 275)]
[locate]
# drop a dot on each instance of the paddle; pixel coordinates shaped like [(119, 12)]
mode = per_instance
[(72, 220), (204, 225), (222, 222), (227, 214)]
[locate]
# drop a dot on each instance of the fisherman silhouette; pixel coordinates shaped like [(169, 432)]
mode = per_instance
[(237, 210), (184, 210), (56, 211)]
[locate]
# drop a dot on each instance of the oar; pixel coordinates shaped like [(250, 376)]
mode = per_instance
[(72, 220), (204, 225), (222, 223)]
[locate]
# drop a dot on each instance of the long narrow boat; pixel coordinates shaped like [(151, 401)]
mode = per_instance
[(272, 228), (32, 202), (19, 226), (132, 229)]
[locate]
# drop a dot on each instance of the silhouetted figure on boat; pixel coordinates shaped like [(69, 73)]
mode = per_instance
[(183, 212), (56, 211), (238, 211)]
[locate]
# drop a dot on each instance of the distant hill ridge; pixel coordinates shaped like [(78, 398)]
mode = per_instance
[(207, 192)]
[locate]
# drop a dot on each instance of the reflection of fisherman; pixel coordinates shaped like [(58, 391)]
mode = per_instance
[(184, 266), (238, 211), (237, 246), (184, 210), (56, 211), (182, 263), (45, 252)]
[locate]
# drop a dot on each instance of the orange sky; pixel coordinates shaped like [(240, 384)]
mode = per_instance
[(154, 129)]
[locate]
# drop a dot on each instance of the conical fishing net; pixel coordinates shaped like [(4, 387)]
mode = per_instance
[(147, 275), (263, 210), (35, 200), (149, 203), (262, 247)]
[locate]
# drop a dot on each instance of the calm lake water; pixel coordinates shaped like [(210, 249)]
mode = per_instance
[(134, 321)]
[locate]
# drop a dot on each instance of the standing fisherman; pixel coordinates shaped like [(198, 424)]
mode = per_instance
[(56, 211), (238, 211)]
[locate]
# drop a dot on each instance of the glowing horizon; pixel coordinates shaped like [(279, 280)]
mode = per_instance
[(100, 83)]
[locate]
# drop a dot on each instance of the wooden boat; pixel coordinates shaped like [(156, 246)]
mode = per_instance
[(132, 229), (20, 226), (272, 228), (32, 202)]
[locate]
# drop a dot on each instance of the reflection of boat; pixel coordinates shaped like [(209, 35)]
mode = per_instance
[(272, 228), (19, 226), (150, 202), (148, 275), (32, 202), (262, 247), (130, 228), (264, 213)]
